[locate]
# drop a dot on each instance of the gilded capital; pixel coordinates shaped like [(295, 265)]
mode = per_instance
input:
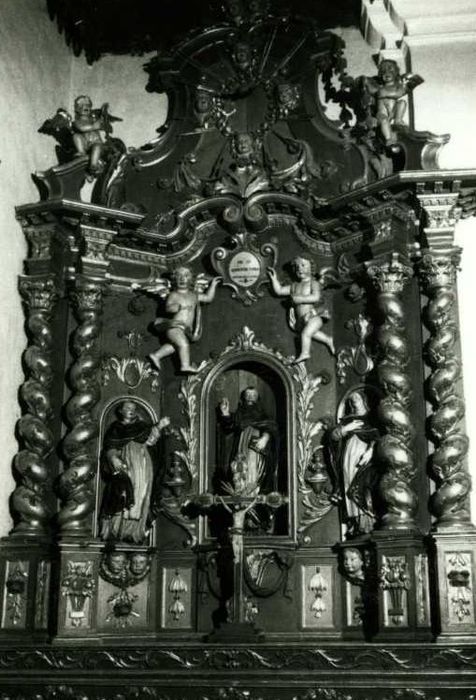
[(389, 277), (88, 294), (437, 270), (39, 293)]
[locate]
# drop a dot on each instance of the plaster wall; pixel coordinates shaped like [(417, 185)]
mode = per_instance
[(38, 74)]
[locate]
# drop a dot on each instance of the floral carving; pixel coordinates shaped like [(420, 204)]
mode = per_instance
[(121, 606), (130, 370), (355, 357), (78, 585), (458, 572), (177, 585), (395, 579), (15, 587), (318, 587)]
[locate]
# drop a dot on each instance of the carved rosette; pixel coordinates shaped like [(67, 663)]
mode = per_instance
[(394, 447), (76, 486), (450, 502), (30, 501)]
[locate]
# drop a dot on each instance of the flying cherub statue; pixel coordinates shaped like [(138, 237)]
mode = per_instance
[(183, 296), (83, 134), (307, 313), (389, 89)]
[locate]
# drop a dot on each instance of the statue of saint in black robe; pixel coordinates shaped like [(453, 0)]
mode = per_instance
[(247, 455), (128, 472)]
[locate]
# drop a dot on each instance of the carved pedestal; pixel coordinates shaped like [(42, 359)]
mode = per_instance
[(402, 587), (26, 588), (455, 585)]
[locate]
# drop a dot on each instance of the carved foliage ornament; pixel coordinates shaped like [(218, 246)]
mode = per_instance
[(395, 579), (130, 370), (355, 357), (141, 692), (78, 585)]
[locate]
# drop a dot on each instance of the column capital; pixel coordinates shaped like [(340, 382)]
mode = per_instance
[(437, 270), (389, 276), (87, 293), (39, 292)]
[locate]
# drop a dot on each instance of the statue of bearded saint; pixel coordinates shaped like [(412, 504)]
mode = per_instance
[(247, 445)]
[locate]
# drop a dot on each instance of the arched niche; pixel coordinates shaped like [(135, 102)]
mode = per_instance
[(108, 415), (229, 377)]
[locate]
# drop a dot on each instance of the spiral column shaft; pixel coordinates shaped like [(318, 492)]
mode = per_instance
[(394, 449), (438, 269), (32, 498), (76, 481)]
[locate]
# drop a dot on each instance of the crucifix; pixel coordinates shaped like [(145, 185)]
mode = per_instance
[(237, 626)]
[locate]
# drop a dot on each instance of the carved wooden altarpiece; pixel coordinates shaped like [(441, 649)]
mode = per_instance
[(242, 471)]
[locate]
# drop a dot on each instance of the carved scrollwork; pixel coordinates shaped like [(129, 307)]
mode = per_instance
[(131, 370), (244, 268), (449, 503), (76, 487), (394, 447), (30, 501)]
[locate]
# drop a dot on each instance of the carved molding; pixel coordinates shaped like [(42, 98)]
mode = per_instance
[(32, 498), (395, 446), (142, 692), (76, 481)]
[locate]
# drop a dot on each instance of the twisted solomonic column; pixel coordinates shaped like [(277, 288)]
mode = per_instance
[(76, 481), (394, 449), (450, 501), (32, 499)]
